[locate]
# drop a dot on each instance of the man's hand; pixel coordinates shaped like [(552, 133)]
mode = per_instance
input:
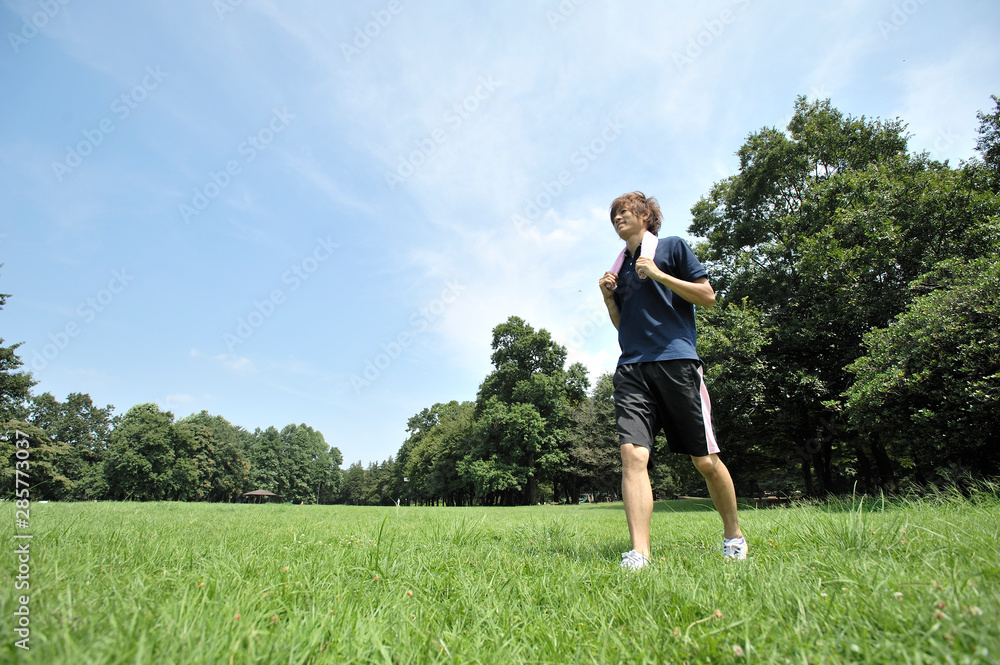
[(608, 284), (645, 266)]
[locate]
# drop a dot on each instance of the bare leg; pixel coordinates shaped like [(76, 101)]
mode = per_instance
[(637, 494), (720, 486)]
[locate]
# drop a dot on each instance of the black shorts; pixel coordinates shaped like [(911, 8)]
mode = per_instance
[(670, 395)]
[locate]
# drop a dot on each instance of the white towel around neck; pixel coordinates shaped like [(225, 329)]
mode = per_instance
[(647, 248)]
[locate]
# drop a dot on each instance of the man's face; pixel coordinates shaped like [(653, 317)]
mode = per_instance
[(627, 224)]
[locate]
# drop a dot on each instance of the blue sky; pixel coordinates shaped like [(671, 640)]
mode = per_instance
[(316, 212)]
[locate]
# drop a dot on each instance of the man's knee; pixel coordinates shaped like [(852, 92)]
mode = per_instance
[(634, 457), (706, 465)]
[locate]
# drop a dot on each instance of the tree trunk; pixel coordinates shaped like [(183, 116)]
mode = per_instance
[(884, 466)]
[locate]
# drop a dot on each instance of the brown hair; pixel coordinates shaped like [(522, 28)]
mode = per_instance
[(647, 209)]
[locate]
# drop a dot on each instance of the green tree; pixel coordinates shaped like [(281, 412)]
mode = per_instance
[(594, 458), (152, 458), (929, 387), (306, 463), (510, 439), (86, 431), (377, 483), (220, 446), (353, 492), (988, 143), (140, 462), (42, 472), (731, 342), (522, 414), (264, 454), (440, 437), (329, 477), (821, 232), (404, 488), (15, 385)]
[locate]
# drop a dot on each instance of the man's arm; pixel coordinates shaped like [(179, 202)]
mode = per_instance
[(607, 284), (699, 292)]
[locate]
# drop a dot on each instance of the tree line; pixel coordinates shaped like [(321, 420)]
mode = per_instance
[(81, 452), (855, 344)]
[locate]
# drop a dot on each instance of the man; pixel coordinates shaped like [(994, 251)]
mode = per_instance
[(659, 381)]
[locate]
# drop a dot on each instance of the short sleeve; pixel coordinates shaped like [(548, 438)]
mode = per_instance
[(684, 261)]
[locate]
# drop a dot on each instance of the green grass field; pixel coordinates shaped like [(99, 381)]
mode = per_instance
[(907, 582)]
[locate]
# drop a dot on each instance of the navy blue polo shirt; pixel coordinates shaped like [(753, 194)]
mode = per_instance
[(656, 323)]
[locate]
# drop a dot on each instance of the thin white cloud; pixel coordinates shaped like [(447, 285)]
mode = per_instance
[(240, 364)]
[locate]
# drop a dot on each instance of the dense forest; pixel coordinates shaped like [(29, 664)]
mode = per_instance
[(855, 345)]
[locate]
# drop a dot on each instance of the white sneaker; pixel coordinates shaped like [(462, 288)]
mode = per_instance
[(632, 560), (734, 548)]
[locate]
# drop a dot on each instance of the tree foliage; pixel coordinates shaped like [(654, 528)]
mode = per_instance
[(988, 143), (439, 442), (86, 431), (522, 414), (929, 386), (15, 384), (821, 232), (593, 459)]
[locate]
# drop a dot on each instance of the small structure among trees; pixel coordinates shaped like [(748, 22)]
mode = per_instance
[(257, 496)]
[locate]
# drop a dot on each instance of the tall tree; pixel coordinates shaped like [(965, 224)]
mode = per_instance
[(42, 472), (86, 431), (731, 341), (263, 452), (503, 464), (353, 490), (594, 460), (15, 385), (821, 232), (220, 446), (417, 427), (306, 464), (141, 462), (522, 413), (929, 387), (440, 438), (988, 143)]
